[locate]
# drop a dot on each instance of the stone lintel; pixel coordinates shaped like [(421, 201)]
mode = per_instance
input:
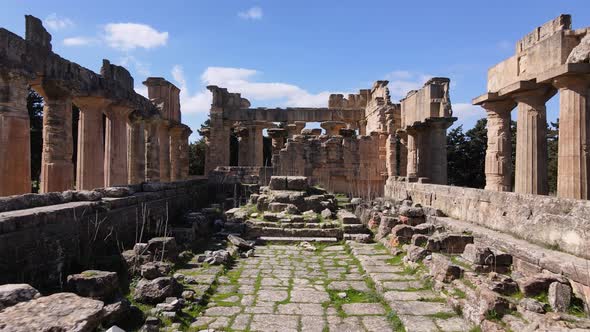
[(486, 97), (564, 70), (517, 87)]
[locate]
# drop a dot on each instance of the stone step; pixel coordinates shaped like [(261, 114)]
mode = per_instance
[(354, 228), (285, 239), (255, 232)]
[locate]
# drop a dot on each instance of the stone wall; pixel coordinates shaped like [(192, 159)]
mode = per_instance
[(42, 245), (557, 223)]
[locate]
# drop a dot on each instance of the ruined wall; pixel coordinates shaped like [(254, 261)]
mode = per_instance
[(42, 245), (344, 163), (552, 222)]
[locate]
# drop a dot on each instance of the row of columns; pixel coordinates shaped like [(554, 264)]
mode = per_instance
[(135, 150), (573, 180), (250, 139), (423, 152)]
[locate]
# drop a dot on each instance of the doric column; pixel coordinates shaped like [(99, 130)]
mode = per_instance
[(295, 128), (498, 163), (257, 141), (403, 152), (362, 127), (278, 136), (422, 141), (175, 152), (115, 165), (15, 135), (531, 142), (244, 145), (57, 168), (390, 146), (412, 162), (164, 142), (438, 150), (333, 127), (218, 147), (90, 159), (136, 150), (152, 152), (184, 153), (573, 178)]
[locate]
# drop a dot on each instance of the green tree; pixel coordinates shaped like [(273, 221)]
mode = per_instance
[(552, 147), (35, 108), (466, 155)]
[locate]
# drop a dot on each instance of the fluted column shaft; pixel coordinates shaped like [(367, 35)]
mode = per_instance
[(438, 152), (116, 146), (136, 152), (164, 142), (175, 153), (403, 153), (15, 137), (573, 178), (531, 143), (498, 163), (152, 152), (218, 147), (412, 159), (57, 168), (90, 159)]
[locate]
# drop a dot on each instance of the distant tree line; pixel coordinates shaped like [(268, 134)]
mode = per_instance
[(466, 155)]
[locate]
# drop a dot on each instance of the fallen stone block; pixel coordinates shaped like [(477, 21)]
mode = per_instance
[(539, 283), (348, 217), (402, 233), (443, 270), (102, 285), (419, 240), (502, 284), (11, 294), (298, 183), (157, 290), (385, 226), (57, 312), (415, 253), (163, 248), (448, 243), (278, 183), (560, 296)]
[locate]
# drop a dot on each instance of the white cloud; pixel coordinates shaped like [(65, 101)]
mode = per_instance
[(254, 13), (128, 36), (240, 80), (140, 67), (53, 22), (79, 41), (401, 82), (467, 114)]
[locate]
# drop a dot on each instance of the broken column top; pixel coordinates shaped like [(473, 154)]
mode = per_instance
[(35, 33)]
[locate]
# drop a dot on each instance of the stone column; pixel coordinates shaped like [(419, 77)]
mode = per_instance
[(531, 142), (244, 146), (295, 128), (257, 142), (152, 152), (218, 147), (116, 145), (422, 142), (362, 127), (90, 167), (136, 151), (57, 168), (333, 127), (278, 136), (164, 142), (15, 135), (175, 152), (438, 150), (184, 153), (573, 178), (412, 162), (403, 152), (390, 146), (498, 163)]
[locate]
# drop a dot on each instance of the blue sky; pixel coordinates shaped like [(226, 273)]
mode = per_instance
[(295, 53)]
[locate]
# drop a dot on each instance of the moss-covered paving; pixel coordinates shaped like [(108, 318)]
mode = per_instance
[(287, 288)]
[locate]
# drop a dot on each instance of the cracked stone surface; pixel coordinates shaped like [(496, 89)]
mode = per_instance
[(286, 288)]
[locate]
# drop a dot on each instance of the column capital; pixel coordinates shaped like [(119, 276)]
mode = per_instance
[(118, 110), (536, 98), (499, 106), (52, 90), (277, 132), (572, 82)]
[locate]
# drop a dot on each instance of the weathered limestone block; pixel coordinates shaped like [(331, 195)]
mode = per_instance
[(278, 183), (478, 255), (157, 290), (502, 284), (449, 243), (402, 233), (163, 248), (298, 183), (580, 53), (481, 302), (560, 296), (100, 285), (11, 294), (534, 285), (153, 270), (348, 217), (57, 312), (443, 270), (385, 226), (415, 253)]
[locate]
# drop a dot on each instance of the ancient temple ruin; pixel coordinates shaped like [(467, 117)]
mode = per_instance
[(141, 140), (366, 140), (346, 227), (552, 58)]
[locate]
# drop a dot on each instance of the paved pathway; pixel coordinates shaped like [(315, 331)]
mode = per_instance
[(286, 288)]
